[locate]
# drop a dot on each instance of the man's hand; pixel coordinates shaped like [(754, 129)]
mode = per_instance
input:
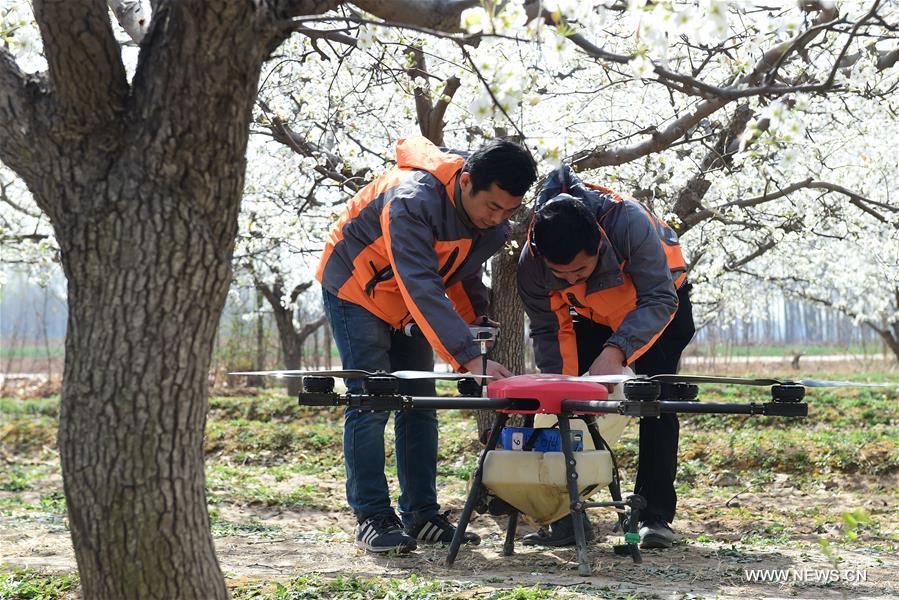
[(485, 321), (610, 361), (476, 367)]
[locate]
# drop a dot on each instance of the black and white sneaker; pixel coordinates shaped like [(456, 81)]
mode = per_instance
[(438, 530), (383, 532)]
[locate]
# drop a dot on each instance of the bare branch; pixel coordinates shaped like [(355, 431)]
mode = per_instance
[(885, 60), (20, 96), (857, 200), (309, 328), (658, 140), (299, 289), (4, 197), (284, 9), (333, 168), (430, 114), (661, 139), (84, 60), (441, 15), (689, 199), (760, 249), (334, 36)]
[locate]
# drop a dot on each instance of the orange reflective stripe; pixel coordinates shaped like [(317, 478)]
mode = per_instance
[(373, 190), (461, 302), (614, 195), (641, 351), (566, 337)]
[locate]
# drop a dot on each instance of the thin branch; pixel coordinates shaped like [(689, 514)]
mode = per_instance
[(760, 249), (332, 169), (4, 197), (855, 199), (496, 102), (661, 139)]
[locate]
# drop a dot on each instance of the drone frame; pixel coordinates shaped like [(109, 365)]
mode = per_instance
[(642, 400)]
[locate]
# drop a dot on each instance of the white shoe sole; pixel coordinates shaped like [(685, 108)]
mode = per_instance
[(399, 549)]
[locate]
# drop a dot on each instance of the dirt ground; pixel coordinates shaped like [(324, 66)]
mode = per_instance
[(320, 542)]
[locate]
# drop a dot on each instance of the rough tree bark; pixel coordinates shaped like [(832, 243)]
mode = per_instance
[(506, 308), (142, 184)]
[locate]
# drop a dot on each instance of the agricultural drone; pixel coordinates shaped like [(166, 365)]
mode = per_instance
[(547, 485)]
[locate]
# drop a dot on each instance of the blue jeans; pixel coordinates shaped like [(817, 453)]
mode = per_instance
[(366, 342)]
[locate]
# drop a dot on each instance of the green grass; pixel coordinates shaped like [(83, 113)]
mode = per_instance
[(782, 350), (410, 588), (30, 351), (27, 584), (48, 407)]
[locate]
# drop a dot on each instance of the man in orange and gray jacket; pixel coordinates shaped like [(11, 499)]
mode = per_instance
[(603, 282), (410, 246)]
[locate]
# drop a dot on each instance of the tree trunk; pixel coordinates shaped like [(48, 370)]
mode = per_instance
[(142, 182), (291, 344), (890, 336), (145, 294), (507, 309)]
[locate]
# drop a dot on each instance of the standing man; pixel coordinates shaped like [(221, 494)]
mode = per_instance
[(410, 247), (604, 284)]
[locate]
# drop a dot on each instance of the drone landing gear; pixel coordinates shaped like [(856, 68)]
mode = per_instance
[(475, 491), (628, 510)]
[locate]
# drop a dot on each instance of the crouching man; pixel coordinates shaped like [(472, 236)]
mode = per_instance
[(604, 285)]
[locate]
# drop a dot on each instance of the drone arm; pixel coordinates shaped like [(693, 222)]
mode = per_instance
[(653, 408), (398, 402)]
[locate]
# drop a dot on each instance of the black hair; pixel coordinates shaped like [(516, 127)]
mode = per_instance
[(508, 164), (563, 227)]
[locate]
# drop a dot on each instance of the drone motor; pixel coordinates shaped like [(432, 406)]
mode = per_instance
[(679, 391), (469, 387), (787, 392), (381, 385), (642, 389), (318, 385)]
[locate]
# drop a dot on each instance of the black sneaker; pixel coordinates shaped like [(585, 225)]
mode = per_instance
[(558, 533), (438, 530), (383, 532), (655, 532)]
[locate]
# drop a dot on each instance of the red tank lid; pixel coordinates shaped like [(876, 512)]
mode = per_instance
[(550, 390)]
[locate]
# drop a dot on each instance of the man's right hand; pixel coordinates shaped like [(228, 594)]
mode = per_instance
[(497, 371)]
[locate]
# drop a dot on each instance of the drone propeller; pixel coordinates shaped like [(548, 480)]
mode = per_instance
[(675, 378), (812, 383), (353, 373), (611, 379)]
